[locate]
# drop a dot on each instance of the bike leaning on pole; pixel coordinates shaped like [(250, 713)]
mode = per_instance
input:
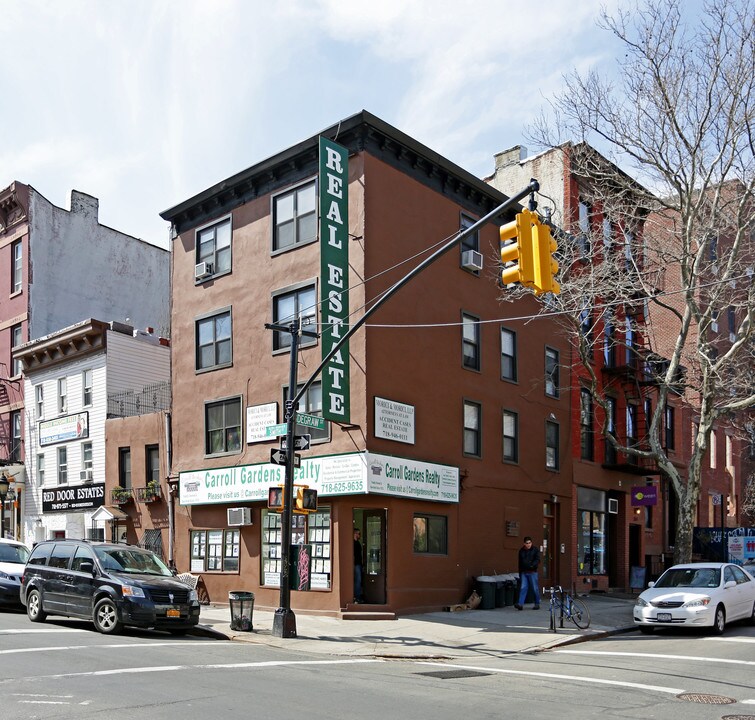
[(563, 605)]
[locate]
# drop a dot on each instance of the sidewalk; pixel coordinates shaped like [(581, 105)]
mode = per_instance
[(469, 633)]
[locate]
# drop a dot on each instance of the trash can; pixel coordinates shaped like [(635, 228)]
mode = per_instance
[(242, 606), (500, 594), (509, 589), (487, 585)]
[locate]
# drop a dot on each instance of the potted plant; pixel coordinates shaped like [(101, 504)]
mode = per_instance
[(121, 495), (152, 491)]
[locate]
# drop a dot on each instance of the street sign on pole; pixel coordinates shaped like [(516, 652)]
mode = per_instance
[(301, 442), (275, 430), (279, 457), (310, 421)]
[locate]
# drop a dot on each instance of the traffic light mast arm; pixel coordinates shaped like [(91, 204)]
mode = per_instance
[(532, 187)]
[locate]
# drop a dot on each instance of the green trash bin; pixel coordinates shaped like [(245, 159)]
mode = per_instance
[(242, 606)]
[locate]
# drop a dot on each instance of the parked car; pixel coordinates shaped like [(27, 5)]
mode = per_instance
[(111, 584), (697, 595), (13, 556)]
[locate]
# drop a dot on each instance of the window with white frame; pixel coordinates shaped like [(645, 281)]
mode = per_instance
[(586, 415), (551, 372), (472, 428), (40, 469), (62, 465), (15, 448), (86, 457), (508, 355), (39, 400), (62, 395), (214, 246), (510, 436), (551, 445), (470, 341), (311, 404), (17, 272), (16, 339), (223, 426), (471, 242), (295, 217), (287, 306), (86, 388), (214, 345), (712, 447), (585, 211)]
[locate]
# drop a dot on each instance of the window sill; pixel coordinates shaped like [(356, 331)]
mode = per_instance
[(16, 293), (214, 276), (281, 251), (202, 371), (223, 454)]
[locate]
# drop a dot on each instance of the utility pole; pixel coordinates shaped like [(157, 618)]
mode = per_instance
[(284, 621)]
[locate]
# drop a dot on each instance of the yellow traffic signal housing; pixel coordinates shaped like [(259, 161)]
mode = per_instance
[(306, 500), (546, 266), (521, 250), (534, 248), (276, 498)]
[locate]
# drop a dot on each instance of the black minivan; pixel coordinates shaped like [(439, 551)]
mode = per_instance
[(110, 584)]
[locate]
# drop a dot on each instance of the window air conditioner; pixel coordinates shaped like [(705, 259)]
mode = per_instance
[(203, 270), (239, 516), (471, 260), (86, 475), (613, 506)]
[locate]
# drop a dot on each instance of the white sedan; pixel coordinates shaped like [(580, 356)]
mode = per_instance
[(697, 595)]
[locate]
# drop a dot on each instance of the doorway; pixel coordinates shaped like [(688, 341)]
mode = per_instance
[(372, 524)]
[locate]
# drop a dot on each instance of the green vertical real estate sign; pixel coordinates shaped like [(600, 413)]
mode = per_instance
[(334, 277)]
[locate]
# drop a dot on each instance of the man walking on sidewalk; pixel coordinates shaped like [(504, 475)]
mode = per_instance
[(529, 560)]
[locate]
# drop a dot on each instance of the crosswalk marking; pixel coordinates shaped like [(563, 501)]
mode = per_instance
[(656, 656)]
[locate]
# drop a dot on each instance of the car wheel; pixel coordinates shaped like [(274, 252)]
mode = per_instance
[(719, 621), (34, 607), (646, 630), (105, 617)]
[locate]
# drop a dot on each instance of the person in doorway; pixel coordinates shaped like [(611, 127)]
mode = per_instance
[(358, 555), (529, 561)]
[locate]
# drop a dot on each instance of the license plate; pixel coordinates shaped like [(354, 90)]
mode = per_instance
[(663, 617), (175, 612)]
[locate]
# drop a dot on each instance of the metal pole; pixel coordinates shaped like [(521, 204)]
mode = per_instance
[(723, 540), (533, 186), (284, 621)]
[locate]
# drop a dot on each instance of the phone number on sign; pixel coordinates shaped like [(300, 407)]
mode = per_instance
[(342, 487)]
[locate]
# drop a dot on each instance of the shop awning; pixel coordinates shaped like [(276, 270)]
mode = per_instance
[(108, 512)]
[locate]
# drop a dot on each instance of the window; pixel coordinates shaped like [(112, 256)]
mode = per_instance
[(611, 428), (15, 448), (585, 210), (18, 266), (471, 242), (592, 550), (62, 395), (607, 234), (61, 555), (628, 243), (551, 445), (508, 355), (83, 554), (631, 426), (214, 246), (648, 517), (585, 319), (731, 319), (510, 436), (586, 424), (152, 459), (310, 403), (215, 550), (551, 372), (629, 339), (39, 400), (16, 338), (668, 417), (472, 434), (86, 388), (86, 456), (431, 534), (470, 341), (62, 465), (223, 426), (124, 467), (288, 306), (295, 217), (213, 341), (712, 446), (609, 347), (41, 469)]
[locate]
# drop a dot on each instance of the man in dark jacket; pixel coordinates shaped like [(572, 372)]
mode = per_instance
[(529, 560)]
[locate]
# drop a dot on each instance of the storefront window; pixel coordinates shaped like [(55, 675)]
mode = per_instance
[(591, 532), (215, 550)]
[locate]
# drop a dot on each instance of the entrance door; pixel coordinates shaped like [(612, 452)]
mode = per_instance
[(374, 546), (549, 549)]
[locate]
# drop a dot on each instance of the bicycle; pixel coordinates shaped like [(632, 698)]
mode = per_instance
[(566, 606)]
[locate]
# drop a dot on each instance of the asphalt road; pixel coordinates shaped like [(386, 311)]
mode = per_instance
[(64, 669)]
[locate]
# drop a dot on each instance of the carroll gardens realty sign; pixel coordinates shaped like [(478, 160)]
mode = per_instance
[(334, 277)]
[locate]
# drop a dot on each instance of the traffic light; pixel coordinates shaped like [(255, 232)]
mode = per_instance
[(546, 266), (276, 498), (306, 500), (521, 250), (534, 248)]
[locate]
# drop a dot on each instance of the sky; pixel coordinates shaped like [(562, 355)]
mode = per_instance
[(145, 103)]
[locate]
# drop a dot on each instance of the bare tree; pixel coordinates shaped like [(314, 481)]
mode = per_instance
[(678, 116)]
